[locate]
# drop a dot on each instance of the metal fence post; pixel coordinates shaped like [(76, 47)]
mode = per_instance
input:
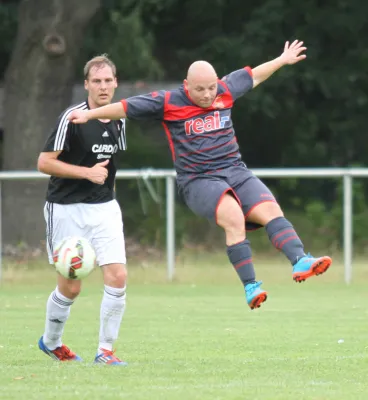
[(348, 226), (169, 175), (170, 226)]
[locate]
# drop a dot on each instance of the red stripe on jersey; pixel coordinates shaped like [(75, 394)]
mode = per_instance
[(207, 162), (125, 105), (232, 154), (167, 130), (170, 140), (197, 163), (208, 148), (225, 132), (227, 91), (249, 70), (207, 173)]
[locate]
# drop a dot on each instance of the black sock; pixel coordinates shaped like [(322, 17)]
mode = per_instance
[(283, 236), (240, 255)]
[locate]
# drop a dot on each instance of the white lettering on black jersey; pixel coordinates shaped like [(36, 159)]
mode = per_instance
[(84, 145)]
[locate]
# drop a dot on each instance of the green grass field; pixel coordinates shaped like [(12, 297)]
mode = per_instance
[(195, 338)]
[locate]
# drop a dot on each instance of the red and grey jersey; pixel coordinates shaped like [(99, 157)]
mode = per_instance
[(200, 139)]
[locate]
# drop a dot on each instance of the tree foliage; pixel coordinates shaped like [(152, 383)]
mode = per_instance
[(311, 114), (118, 30), (8, 18), (38, 86)]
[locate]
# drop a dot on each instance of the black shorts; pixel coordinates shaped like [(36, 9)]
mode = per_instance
[(203, 193)]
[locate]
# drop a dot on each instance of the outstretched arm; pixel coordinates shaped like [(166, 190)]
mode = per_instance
[(143, 107), (291, 55), (112, 111)]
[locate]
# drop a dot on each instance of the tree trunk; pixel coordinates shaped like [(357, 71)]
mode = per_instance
[(38, 86)]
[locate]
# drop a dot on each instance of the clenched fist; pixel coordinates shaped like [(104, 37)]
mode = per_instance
[(98, 173)]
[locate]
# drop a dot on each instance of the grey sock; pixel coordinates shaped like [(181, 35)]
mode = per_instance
[(240, 255)]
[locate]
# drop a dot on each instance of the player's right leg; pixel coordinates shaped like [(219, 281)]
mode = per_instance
[(229, 216), (59, 226), (261, 209), (57, 313), (214, 199), (109, 244)]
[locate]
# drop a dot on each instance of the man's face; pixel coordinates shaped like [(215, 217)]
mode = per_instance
[(202, 90), (100, 84)]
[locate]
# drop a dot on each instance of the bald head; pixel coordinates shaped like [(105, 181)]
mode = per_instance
[(201, 83), (201, 70)]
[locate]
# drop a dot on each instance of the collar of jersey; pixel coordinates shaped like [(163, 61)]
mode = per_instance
[(97, 119)]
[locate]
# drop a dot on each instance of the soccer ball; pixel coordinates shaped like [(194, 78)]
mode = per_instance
[(74, 258)]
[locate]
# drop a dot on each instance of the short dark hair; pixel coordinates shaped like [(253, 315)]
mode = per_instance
[(98, 61)]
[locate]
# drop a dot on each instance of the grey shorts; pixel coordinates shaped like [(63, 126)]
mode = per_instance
[(203, 193)]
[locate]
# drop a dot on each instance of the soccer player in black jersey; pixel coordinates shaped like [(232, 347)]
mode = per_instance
[(80, 201), (211, 175)]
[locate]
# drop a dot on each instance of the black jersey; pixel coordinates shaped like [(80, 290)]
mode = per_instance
[(84, 145)]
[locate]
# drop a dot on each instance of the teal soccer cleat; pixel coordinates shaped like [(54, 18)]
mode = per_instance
[(255, 295), (309, 266)]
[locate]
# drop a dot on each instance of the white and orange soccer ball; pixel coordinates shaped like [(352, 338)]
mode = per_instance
[(74, 258)]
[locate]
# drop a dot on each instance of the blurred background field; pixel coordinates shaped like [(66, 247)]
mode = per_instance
[(190, 267), (194, 337)]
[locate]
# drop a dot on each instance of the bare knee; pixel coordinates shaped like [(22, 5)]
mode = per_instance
[(115, 275), (69, 288), (265, 212), (231, 218)]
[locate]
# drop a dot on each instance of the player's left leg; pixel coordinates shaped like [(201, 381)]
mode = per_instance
[(284, 237), (111, 313), (261, 209), (108, 241), (211, 197)]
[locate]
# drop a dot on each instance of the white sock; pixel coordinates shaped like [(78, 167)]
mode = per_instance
[(57, 313), (112, 311)]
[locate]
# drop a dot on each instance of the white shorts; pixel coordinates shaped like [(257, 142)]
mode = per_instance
[(101, 224)]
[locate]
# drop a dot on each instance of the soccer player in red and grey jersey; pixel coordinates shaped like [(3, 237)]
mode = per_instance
[(211, 176)]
